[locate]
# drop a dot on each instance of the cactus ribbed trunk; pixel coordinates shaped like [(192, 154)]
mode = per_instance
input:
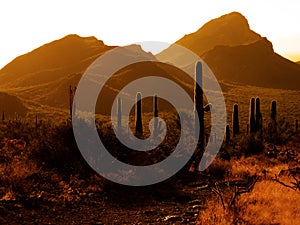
[(199, 109), (3, 116), (258, 115), (70, 100), (155, 112), (252, 116), (138, 114), (236, 126), (119, 122), (227, 135), (296, 125), (273, 110)]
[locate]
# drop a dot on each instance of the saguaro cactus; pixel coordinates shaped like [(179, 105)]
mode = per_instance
[(72, 91), (227, 135), (119, 122), (155, 112), (138, 115), (198, 101), (258, 115), (273, 110), (3, 116), (252, 115), (70, 99), (296, 125), (235, 119), (199, 110)]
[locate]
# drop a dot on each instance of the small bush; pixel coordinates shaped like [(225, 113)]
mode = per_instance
[(252, 144), (278, 132), (219, 168)]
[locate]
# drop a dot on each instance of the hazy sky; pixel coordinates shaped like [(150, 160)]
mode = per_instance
[(26, 25)]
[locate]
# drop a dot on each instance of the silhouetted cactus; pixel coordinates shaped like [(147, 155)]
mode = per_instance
[(71, 98), (273, 134), (198, 101), (258, 115), (235, 119), (119, 122), (155, 112), (138, 115), (252, 116), (227, 135), (296, 125), (273, 110), (199, 110), (3, 116)]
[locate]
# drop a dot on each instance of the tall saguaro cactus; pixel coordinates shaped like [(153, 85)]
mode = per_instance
[(119, 123), (138, 115), (199, 110), (155, 112), (258, 115), (71, 98), (235, 119), (198, 101), (252, 116), (227, 134), (296, 125), (273, 110)]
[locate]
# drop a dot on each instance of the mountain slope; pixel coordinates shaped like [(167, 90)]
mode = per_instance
[(231, 29), (255, 64), (236, 54), (43, 76), (71, 54), (11, 105)]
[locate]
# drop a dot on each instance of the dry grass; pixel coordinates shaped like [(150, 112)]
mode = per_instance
[(268, 203)]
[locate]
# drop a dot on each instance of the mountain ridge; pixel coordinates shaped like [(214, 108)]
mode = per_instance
[(234, 52), (255, 64), (230, 29)]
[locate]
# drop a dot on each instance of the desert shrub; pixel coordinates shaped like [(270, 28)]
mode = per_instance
[(54, 146), (278, 132), (252, 144), (219, 168)]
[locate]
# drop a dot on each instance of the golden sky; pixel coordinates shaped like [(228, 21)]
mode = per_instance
[(26, 25)]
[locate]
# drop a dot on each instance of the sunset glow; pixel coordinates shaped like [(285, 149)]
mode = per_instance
[(25, 25)]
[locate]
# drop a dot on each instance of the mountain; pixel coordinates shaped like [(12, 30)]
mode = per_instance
[(52, 61), (255, 64), (42, 77), (231, 29), (236, 54), (11, 105)]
